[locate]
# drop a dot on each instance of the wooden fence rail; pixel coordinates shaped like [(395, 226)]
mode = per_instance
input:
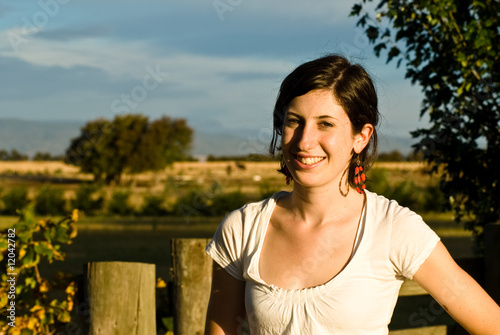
[(192, 274), (122, 298)]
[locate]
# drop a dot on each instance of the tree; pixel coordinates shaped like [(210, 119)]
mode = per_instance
[(451, 49), (4, 155), (46, 156), (14, 155), (129, 143), (393, 156)]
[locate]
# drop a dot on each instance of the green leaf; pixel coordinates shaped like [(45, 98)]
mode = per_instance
[(372, 33), (168, 323), (355, 10), (3, 243), (30, 282), (44, 249), (31, 258)]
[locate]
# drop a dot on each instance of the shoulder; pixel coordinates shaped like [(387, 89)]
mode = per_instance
[(238, 235), (251, 213), (397, 222), (409, 240), (387, 211)]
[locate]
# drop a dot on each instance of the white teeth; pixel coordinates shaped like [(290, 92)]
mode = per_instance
[(310, 160)]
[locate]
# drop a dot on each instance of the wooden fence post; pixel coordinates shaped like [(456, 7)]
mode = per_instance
[(122, 298), (492, 260), (192, 277)]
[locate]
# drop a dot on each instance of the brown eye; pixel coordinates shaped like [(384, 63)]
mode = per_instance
[(327, 124)]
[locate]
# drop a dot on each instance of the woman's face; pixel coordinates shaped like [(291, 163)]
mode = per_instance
[(317, 139)]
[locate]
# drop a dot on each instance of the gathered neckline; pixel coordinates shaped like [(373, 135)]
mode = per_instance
[(314, 290)]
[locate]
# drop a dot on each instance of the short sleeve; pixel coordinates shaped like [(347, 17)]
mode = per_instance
[(412, 241), (225, 248)]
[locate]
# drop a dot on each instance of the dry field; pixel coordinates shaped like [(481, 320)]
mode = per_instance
[(30, 167), (185, 170), (251, 178)]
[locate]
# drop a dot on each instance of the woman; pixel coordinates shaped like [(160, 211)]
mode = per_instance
[(330, 256)]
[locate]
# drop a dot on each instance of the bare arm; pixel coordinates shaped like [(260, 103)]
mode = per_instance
[(226, 308), (458, 293)]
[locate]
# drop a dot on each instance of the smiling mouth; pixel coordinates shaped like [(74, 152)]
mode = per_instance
[(309, 160)]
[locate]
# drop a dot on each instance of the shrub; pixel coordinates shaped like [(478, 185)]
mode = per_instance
[(119, 203), (266, 190), (50, 201), (406, 193), (377, 182), (224, 203), (43, 305), (14, 200), (434, 200), (197, 203), (153, 206), (193, 203), (86, 200)]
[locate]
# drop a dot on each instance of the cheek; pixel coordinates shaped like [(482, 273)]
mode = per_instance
[(338, 144), (286, 137)]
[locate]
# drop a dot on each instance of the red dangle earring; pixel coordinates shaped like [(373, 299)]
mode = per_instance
[(359, 177)]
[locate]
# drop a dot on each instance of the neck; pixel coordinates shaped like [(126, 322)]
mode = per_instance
[(322, 205)]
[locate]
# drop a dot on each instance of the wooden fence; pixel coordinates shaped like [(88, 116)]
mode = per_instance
[(122, 298), (122, 294)]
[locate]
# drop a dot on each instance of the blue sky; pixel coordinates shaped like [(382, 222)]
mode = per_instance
[(217, 63)]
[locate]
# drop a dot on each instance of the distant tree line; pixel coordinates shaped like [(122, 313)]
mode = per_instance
[(14, 155), (244, 158), (396, 156)]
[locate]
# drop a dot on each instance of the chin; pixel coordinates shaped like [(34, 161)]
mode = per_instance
[(309, 182)]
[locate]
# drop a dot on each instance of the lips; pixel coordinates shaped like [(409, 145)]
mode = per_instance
[(309, 160)]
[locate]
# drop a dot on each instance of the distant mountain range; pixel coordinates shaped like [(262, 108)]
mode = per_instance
[(29, 137)]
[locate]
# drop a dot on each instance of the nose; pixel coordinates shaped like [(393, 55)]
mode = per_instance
[(306, 138)]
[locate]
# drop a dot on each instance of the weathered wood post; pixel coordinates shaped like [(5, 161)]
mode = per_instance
[(492, 260), (122, 298), (192, 276)]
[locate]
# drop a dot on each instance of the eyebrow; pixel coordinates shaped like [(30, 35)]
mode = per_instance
[(317, 117)]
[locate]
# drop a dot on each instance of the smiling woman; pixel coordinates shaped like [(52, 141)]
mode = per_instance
[(318, 139), (350, 89), (319, 259)]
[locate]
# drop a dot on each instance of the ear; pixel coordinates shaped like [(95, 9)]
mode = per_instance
[(362, 138)]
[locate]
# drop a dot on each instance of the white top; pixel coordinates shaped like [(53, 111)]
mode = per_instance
[(391, 244)]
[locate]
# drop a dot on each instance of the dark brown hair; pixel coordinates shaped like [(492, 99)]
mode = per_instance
[(351, 86)]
